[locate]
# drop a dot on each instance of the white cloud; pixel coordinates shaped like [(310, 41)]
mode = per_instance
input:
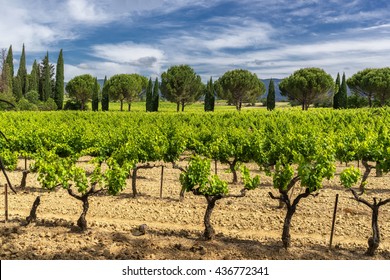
[(280, 60), (98, 69), (328, 48), (227, 33), (377, 27), (355, 17), (140, 6), (246, 34), (348, 55), (42, 24), (88, 12), (33, 24), (128, 56), (120, 58), (103, 11), (260, 40), (127, 52)]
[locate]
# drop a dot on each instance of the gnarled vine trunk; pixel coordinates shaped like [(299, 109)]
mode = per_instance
[(134, 181), (374, 240), (367, 172), (209, 231), (182, 192), (23, 182), (378, 170), (82, 221), (232, 166), (5, 173), (286, 237), (33, 212), (291, 208)]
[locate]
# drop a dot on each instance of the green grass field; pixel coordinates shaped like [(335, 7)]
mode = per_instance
[(166, 106)]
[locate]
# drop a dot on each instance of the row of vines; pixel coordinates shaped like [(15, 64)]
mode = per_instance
[(293, 147)]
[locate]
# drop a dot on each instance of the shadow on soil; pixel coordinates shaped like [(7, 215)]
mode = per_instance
[(163, 244)]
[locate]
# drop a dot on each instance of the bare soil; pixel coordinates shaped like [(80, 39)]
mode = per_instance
[(247, 228)]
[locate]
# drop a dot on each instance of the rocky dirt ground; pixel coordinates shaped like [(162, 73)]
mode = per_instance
[(247, 228)]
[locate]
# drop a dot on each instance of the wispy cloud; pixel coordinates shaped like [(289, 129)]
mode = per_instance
[(278, 60), (126, 52), (98, 69), (240, 33), (234, 34), (132, 57), (24, 22), (358, 16), (88, 12), (213, 36), (42, 24)]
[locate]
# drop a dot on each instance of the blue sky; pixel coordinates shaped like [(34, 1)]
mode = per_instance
[(270, 38)]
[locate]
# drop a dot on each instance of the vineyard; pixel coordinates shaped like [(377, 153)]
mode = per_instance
[(226, 185)]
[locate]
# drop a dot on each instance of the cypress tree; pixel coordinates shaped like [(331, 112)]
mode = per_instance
[(212, 95), (7, 80), (95, 96), (8, 70), (149, 96), (59, 86), (271, 96), (2, 68), (336, 97), (17, 88), (33, 83), (46, 88), (209, 99), (10, 61), (206, 99), (156, 96), (105, 98), (22, 72), (342, 95)]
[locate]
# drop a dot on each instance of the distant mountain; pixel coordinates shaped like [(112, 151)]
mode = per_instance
[(101, 82)]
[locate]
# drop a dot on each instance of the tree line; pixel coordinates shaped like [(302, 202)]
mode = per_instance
[(42, 88), (181, 85), (305, 87)]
